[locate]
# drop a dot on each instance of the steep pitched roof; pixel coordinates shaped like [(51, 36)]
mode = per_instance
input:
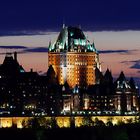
[(72, 39), (10, 65)]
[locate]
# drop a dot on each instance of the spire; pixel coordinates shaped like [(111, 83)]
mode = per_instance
[(50, 43), (98, 76), (93, 45), (108, 77), (15, 56), (63, 25), (106, 73), (50, 47), (51, 76), (51, 72), (121, 77), (66, 88)]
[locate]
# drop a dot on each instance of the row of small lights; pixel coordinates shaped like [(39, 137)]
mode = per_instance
[(98, 112)]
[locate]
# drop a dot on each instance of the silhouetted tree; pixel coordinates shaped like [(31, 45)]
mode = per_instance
[(87, 121), (109, 122), (98, 122), (54, 122), (120, 122), (37, 122), (33, 123), (129, 121)]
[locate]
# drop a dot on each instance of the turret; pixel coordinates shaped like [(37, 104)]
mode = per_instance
[(108, 79)]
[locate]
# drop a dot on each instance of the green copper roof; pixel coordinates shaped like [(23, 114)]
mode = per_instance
[(71, 39)]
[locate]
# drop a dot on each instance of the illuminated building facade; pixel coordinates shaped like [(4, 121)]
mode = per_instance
[(73, 58), (112, 98), (72, 86), (126, 97)]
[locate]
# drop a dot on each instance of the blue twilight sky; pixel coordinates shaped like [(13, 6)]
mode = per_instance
[(50, 14)]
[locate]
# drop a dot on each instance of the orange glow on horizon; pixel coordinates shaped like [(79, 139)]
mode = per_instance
[(121, 40)]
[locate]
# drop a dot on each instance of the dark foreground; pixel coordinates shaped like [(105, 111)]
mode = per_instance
[(123, 132)]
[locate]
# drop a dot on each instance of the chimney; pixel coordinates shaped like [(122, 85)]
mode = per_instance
[(15, 56), (31, 70)]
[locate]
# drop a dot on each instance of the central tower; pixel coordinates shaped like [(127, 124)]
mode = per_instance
[(73, 58)]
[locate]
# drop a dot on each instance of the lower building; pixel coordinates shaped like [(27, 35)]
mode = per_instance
[(30, 94), (107, 98)]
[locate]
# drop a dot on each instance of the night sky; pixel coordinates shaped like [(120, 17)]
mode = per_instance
[(50, 15)]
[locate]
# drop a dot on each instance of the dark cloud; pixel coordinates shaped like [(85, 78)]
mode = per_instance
[(45, 49), (15, 33), (38, 49), (2, 53), (114, 51), (134, 64), (23, 49), (13, 47), (26, 32)]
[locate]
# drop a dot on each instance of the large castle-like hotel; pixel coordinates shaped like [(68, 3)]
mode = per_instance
[(73, 58), (76, 64), (73, 84)]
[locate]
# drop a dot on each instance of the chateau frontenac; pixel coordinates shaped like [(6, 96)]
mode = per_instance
[(73, 85), (74, 58)]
